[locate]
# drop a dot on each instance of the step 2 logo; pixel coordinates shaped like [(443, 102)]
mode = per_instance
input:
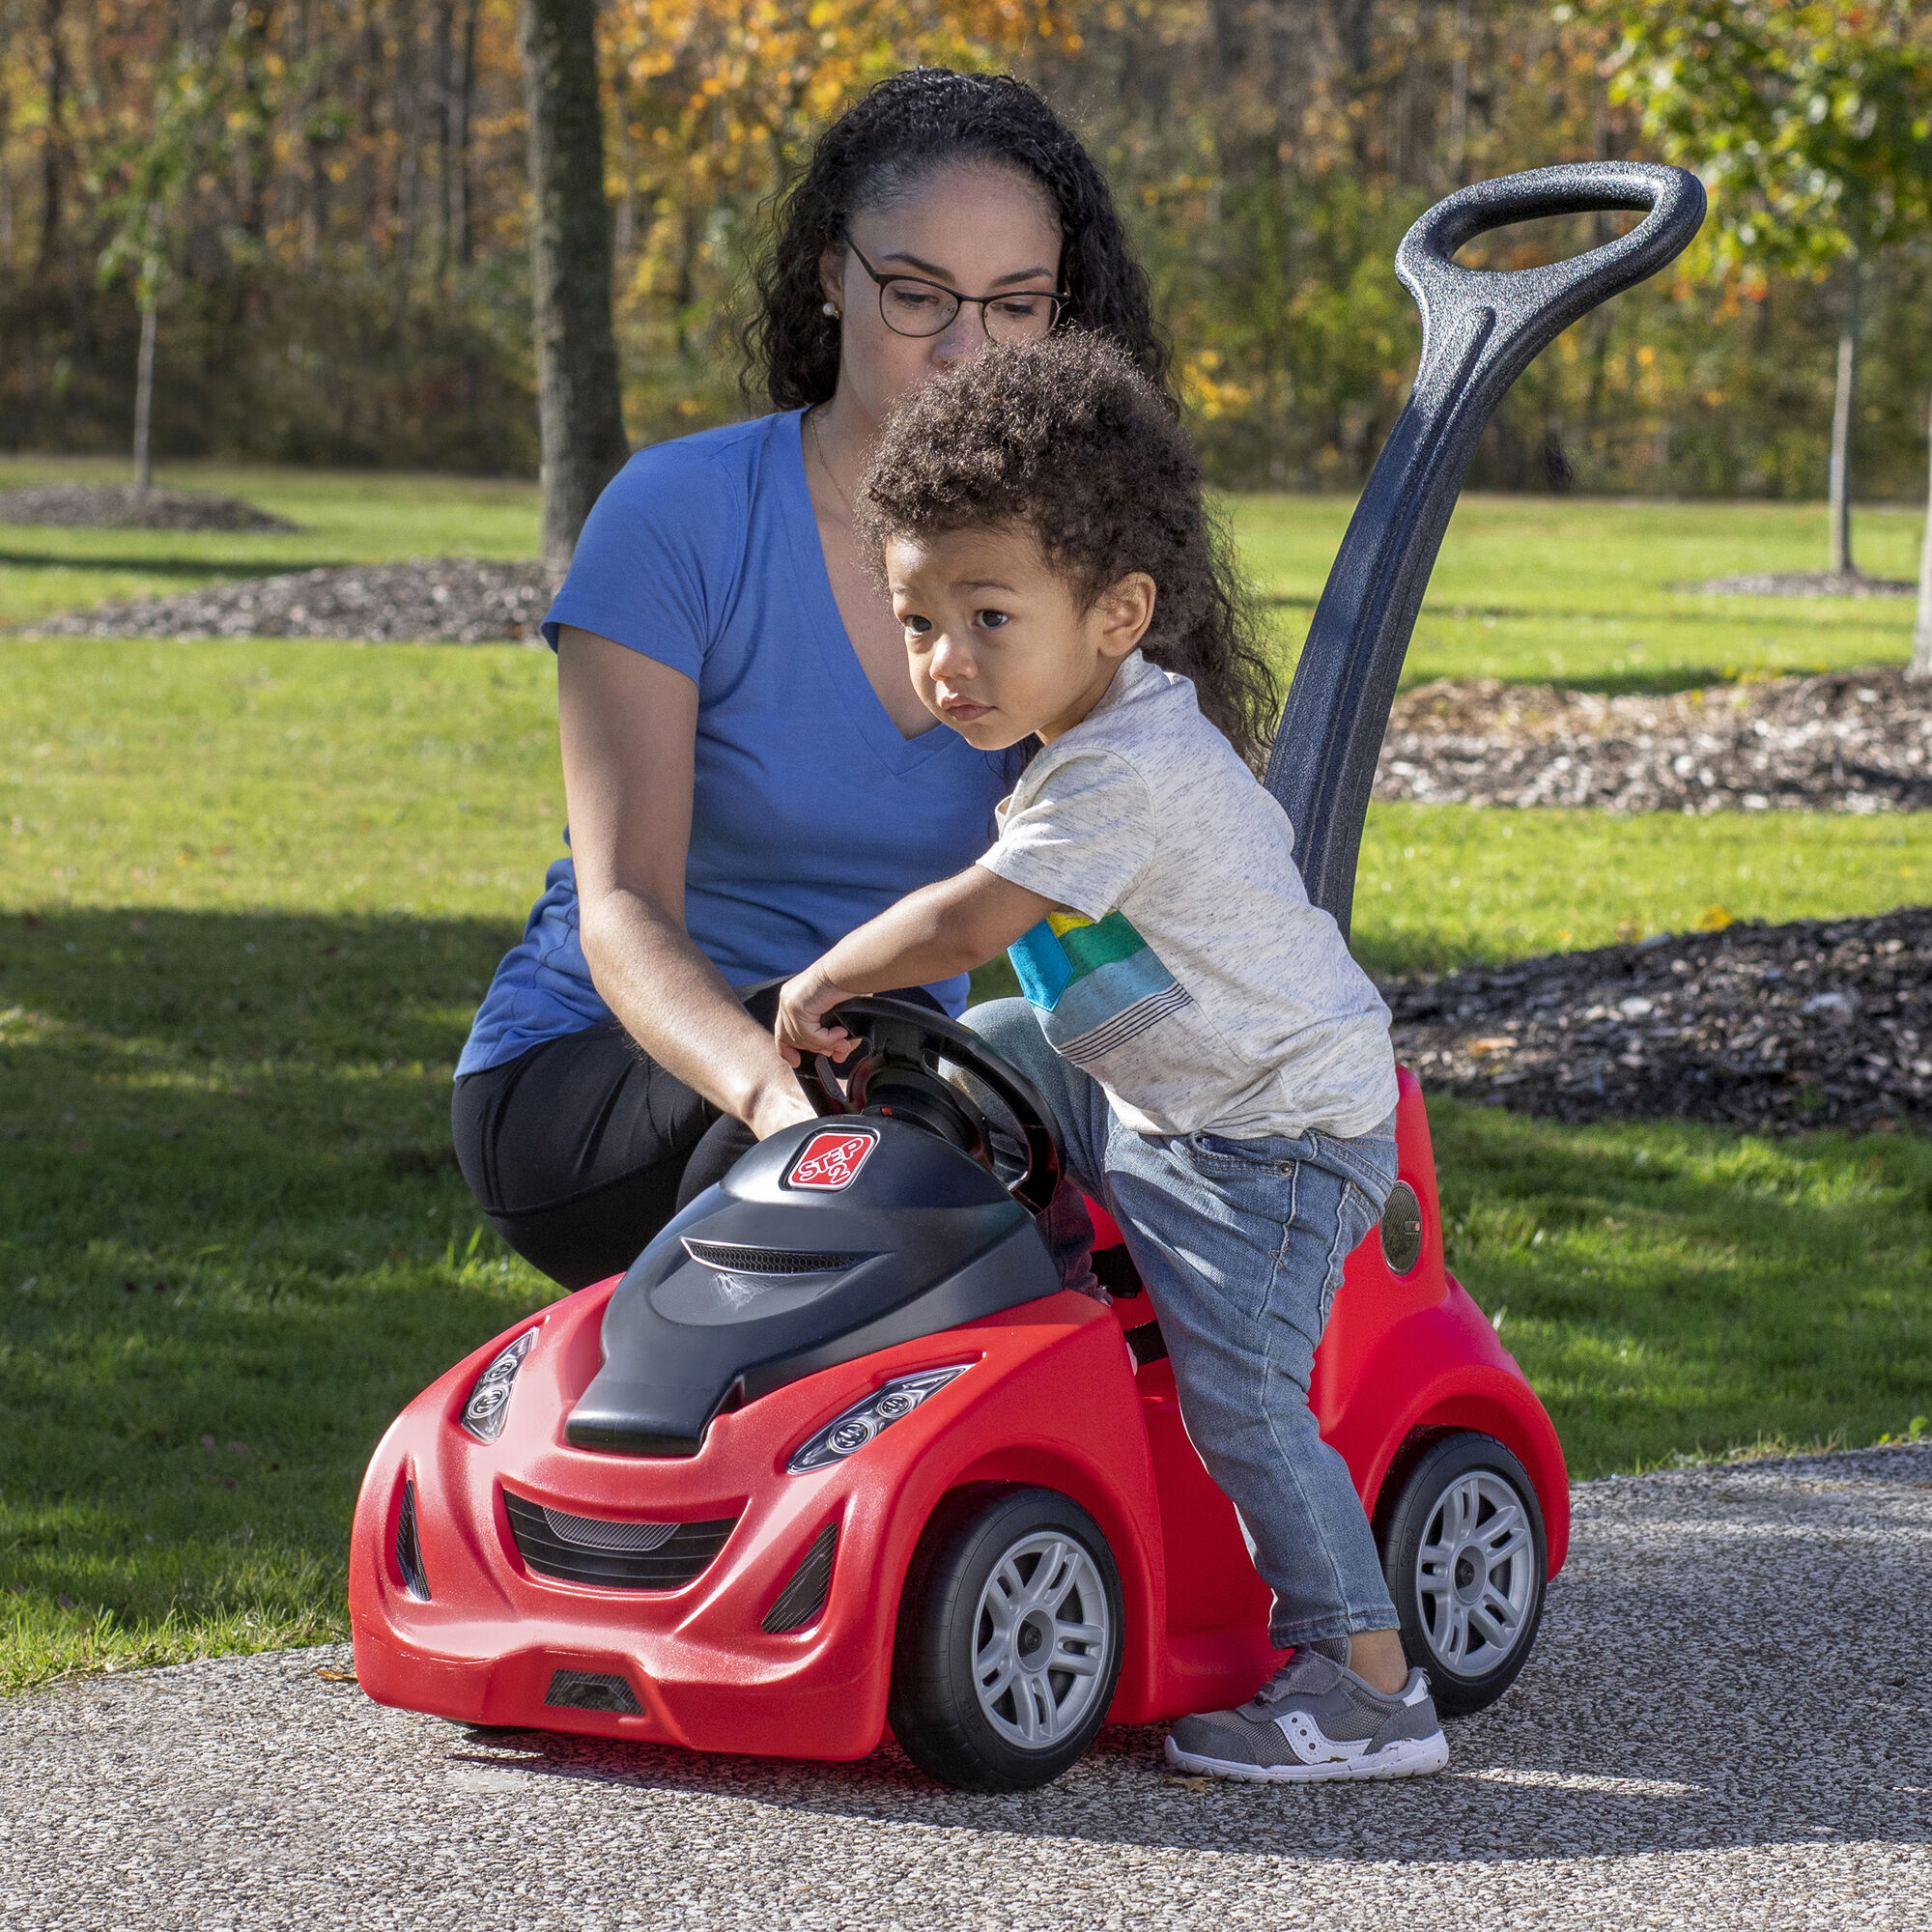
[(832, 1160)]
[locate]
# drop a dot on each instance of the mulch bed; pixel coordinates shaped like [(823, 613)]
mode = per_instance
[(1846, 741), (1812, 1024), (120, 506), (444, 601), (1808, 584)]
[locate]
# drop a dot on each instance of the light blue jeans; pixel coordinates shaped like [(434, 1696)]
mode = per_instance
[(1241, 1245)]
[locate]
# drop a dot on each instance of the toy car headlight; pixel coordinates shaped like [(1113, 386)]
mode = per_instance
[(489, 1403), (845, 1435)]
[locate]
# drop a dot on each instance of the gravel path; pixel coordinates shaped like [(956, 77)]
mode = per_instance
[(1726, 1724), (1815, 1023), (1846, 741)]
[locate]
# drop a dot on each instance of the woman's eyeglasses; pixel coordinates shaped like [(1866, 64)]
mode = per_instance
[(910, 306)]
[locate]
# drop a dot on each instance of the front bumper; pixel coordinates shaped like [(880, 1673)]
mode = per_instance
[(499, 1643)]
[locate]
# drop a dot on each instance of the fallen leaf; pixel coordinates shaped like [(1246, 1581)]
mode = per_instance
[(338, 1676), (1187, 1783)]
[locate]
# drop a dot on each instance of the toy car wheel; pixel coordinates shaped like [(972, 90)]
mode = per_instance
[(1008, 1643), (1465, 1558)]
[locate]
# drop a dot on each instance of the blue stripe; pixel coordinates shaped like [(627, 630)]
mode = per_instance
[(1096, 997), (1042, 965)]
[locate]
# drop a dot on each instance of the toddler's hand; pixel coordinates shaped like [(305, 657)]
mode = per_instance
[(803, 1003)]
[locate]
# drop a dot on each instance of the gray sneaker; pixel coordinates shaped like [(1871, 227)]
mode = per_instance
[(1314, 1719)]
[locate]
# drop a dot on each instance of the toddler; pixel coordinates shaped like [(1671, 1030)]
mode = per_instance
[(1219, 1066)]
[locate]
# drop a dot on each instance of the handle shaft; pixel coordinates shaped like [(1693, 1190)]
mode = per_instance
[(1481, 329)]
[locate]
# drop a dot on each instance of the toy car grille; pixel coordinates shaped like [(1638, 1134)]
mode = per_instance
[(409, 1549), (592, 1690), (614, 1555), (767, 1260), (589, 1532), (802, 1599)]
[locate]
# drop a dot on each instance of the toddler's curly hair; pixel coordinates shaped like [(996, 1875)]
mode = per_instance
[(1066, 439)]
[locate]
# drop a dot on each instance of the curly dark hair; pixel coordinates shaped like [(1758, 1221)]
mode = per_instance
[(883, 145), (1066, 439)]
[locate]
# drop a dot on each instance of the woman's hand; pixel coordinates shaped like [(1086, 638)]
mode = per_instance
[(803, 1001)]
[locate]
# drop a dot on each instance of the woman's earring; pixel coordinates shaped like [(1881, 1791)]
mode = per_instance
[(831, 309)]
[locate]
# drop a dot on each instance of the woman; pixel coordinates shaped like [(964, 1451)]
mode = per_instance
[(748, 772)]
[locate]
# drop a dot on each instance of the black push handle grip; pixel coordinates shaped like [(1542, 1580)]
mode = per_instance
[(1481, 329)]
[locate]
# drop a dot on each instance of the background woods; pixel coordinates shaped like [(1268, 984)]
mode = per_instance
[(326, 203)]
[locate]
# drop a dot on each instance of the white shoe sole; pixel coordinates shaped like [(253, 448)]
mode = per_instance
[(1406, 1757)]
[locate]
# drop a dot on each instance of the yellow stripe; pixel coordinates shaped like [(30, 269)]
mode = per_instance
[(1061, 923)]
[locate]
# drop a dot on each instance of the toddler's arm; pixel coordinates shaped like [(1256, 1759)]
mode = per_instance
[(931, 935)]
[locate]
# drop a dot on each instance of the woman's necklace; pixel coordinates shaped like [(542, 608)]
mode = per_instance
[(818, 444)]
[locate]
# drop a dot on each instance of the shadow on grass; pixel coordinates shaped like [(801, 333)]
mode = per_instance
[(232, 1244), (175, 566)]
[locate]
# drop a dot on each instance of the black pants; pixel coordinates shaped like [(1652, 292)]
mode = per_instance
[(580, 1150)]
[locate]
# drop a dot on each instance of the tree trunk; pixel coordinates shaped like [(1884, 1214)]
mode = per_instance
[(459, 171), (53, 135), (144, 396), (1459, 93), (1921, 631), (1841, 427), (580, 402)]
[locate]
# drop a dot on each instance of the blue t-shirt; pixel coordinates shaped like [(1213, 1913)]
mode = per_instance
[(811, 812)]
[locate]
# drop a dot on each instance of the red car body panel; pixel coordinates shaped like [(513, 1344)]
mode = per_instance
[(1053, 1397)]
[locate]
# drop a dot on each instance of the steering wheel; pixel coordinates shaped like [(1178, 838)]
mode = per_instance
[(893, 1070)]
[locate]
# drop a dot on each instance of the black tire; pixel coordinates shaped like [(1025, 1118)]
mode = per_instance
[(1449, 1471), (936, 1708)]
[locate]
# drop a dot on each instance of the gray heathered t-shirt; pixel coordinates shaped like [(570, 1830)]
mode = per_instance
[(1192, 977)]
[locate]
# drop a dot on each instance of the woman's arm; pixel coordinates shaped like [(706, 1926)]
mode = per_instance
[(931, 935), (629, 726)]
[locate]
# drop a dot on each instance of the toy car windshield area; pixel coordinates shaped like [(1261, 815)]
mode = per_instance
[(838, 1452)]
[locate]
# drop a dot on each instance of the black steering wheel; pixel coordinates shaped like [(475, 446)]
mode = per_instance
[(892, 1070)]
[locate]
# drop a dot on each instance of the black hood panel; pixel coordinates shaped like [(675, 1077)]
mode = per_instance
[(928, 1238)]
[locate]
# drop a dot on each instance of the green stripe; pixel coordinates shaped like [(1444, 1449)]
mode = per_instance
[(1088, 948)]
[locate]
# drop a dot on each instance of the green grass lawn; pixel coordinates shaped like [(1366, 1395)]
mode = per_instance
[(344, 517), (1598, 594), (250, 892)]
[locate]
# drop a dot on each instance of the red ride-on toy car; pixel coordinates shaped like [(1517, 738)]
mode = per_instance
[(838, 1452)]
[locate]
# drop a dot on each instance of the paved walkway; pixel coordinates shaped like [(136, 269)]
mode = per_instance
[(1727, 1723)]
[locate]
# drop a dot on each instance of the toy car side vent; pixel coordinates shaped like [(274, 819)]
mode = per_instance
[(409, 1549), (614, 1555), (768, 1260), (592, 1690), (802, 1601)]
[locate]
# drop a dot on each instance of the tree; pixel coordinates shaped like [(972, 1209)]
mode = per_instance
[(1811, 122), (579, 401), (154, 176)]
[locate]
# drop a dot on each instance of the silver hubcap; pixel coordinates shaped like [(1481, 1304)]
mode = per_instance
[(1040, 1639), (1475, 1573)]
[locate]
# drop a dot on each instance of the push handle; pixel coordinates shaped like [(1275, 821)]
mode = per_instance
[(1481, 329)]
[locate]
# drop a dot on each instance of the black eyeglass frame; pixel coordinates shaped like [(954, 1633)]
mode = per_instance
[(1059, 298)]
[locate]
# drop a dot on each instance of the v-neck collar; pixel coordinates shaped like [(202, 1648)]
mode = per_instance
[(862, 704)]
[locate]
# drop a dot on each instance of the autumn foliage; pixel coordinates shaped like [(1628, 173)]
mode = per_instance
[(343, 275)]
